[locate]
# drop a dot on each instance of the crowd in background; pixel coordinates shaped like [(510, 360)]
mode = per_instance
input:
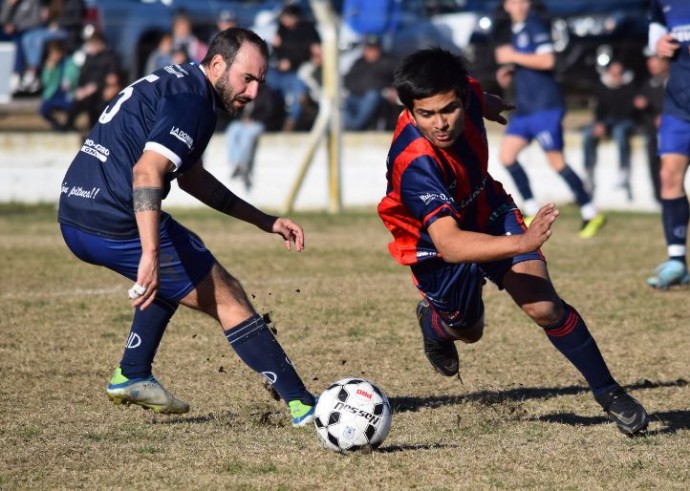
[(76, 77)]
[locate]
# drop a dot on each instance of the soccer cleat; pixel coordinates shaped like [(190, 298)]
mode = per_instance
[(669, 273), (145, 392), (442, 356), (592, 226), (624, 410), (302, 414)]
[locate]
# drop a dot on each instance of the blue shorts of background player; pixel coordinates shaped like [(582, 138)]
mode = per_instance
[(455, 290), (544, 126), (178, 247), (674, 136)]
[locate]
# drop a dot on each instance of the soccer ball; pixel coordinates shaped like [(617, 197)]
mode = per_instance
[(352, 415)]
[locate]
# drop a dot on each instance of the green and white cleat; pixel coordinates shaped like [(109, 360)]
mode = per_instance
[(302, 414), (145, 392)]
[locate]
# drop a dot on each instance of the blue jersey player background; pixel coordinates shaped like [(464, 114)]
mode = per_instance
[(669, 37), (528, 63), (154, 131), (454, 225)]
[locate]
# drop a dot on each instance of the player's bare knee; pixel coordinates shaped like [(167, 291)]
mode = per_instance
[(471, 334), (544, 313)]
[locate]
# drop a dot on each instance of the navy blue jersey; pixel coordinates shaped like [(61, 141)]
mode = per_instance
[(171, 112), (674, 16), (535, 90)]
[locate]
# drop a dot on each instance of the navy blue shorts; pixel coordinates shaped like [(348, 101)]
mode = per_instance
[(184, 259), (455, 290), (546, 126), (674, 136)]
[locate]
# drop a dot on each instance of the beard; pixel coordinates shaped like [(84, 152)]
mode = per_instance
[(232, 104)]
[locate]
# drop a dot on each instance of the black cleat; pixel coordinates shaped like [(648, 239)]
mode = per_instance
[(442, 356), (624, 410)]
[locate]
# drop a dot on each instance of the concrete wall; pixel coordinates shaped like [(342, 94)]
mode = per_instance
[(32, 166)]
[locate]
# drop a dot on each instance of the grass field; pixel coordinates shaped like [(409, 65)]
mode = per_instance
[(521, 418)]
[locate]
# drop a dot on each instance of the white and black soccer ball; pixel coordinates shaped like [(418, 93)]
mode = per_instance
[(353, 414)]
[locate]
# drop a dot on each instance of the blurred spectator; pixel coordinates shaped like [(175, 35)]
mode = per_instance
[(242, 134), (184, 37), (372, 17), (72, 23), (113, 82), (311, 73), (100, 61), (19, 17), (34, 40), (370, 86), (291, 47), (649, 102), (162, 55), (166, 53), (226, 20), (614, 116), (59, 77), (179, 55)]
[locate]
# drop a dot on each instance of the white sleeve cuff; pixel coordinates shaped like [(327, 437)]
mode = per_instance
[(165, 152)]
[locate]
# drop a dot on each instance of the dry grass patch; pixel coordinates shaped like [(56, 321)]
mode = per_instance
[(520, 418)]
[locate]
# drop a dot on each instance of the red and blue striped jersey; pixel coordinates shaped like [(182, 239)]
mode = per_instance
[(426, 182)]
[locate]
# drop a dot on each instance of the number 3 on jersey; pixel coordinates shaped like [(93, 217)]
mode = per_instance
[(113, 108)]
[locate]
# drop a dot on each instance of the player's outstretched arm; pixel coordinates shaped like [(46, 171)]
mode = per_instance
[(461, 246), (206, 188)]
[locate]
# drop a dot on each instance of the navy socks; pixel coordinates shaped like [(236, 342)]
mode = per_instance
[(675, 215), (521, 180), (571, 337), (433, 328), (256, 345), (144, 337), (575, 183)]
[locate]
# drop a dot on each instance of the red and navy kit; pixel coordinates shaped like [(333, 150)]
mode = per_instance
[(426, 183)]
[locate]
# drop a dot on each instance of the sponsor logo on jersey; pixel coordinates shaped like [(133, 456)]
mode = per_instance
[(79, 192), (466, 202), (182, 136), (95, 150), (429, 197), (681, 33)]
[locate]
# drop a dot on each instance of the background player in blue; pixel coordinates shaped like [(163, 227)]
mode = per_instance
[(454, 225), (154, 131), (669, 37), (528, 62)]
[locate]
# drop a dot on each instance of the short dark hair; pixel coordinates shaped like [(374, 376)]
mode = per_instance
[(228, 42), (428, 72)]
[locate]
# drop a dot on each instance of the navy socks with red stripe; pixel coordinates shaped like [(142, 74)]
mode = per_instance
[(433, 327), (571, 337), (145, 335), (256, 345)]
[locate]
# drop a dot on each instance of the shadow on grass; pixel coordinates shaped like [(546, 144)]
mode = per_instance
[(672, 421), (493, 397), (406, 448)]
